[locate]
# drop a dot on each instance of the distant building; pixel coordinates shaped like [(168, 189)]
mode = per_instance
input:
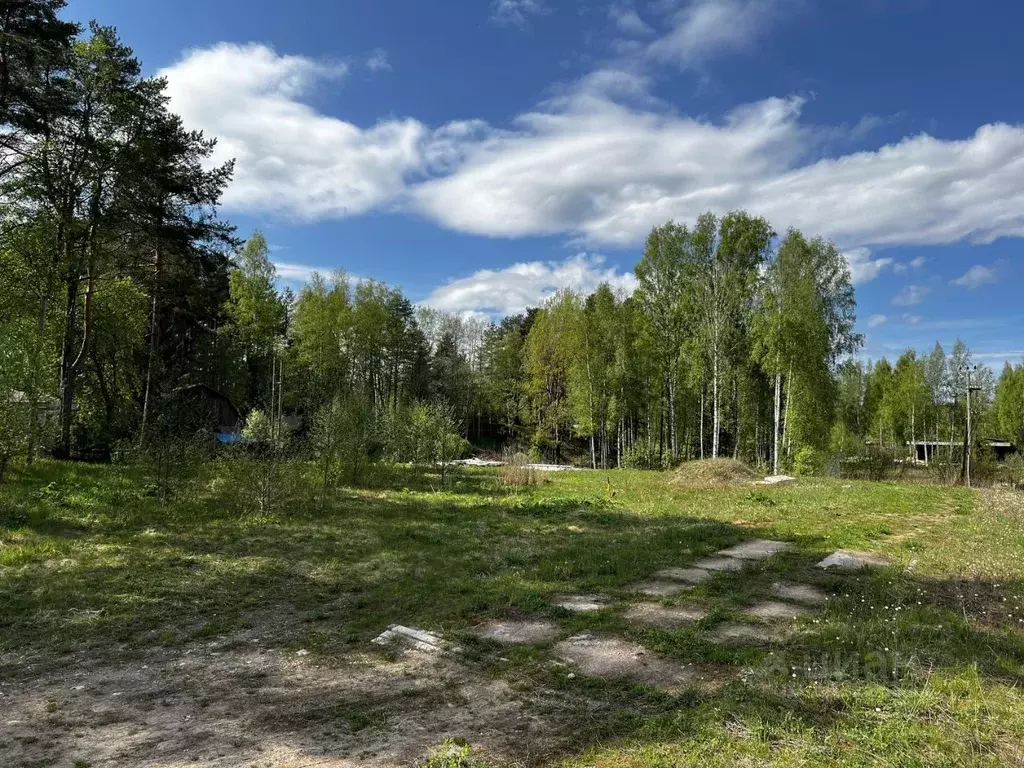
[(924, 450)]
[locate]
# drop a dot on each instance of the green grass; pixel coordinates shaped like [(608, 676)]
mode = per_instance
[(918, 666)]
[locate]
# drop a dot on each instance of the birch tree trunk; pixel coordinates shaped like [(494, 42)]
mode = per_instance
[(778, 414)]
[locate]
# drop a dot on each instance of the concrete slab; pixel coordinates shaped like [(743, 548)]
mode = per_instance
[(799, 593), (737, 633), (776, 480), (612, 657), (756, 549), (719, 564), (399, 638), (663, 616), (580, 603), (518, 632), (685, 575), (660, 588), (773, 609), (850, 560)]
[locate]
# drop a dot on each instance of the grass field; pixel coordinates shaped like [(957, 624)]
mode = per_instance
[(135, 631)]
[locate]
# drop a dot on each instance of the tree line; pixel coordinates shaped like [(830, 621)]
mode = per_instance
[(123, 289)]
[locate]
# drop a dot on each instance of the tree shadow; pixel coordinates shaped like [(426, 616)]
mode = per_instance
[(236, 599)]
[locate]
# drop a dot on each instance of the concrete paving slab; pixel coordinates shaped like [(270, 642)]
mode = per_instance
[(685, 575), (580, 603), (737, 633), (663, 616), (660, 588), (518, 632), (612, 657), (719, 564), (401, 638), (799, 593), (774, 609), (756, 549), (851, 560)]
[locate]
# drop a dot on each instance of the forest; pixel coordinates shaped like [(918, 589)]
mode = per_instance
[(126, 299)]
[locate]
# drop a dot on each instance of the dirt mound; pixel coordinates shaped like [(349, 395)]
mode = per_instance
[(713, 473)]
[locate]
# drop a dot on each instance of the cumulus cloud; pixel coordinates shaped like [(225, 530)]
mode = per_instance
[(512, 289), (976, 276), (876, 320), (864, 268), (516, 13), (704, 29), (911, 296), (601, 161), (291, 159), (378, 61)]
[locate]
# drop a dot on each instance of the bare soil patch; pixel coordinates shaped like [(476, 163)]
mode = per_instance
[(215, 706)]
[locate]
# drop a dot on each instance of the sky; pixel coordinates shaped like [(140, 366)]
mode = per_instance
[(481, 154)]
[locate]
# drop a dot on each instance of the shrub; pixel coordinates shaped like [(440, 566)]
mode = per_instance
[(808, 461)]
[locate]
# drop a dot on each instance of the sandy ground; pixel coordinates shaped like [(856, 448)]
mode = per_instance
[(218, 706)]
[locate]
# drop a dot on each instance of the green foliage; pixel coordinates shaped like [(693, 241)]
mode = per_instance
[(453, 753), (808, 461)]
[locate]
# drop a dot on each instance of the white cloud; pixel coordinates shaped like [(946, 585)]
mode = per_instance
[(512, 289), (976, 276), (876, 320), (917, 262), (910, 319), (296, 273), (291, 159), (628, 21), (516, 13), (601, 162), (863, 268), (911, 296), (378, 61), (705, 29)]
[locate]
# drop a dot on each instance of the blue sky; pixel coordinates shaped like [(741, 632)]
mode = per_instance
[(482, 153)]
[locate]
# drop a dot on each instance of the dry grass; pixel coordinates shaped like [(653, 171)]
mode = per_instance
[(516, 471), (713, 473)]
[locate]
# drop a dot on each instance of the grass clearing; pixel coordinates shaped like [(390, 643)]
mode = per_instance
[(135, 632)]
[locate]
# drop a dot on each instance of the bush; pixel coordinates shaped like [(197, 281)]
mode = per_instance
[(808, 461), (874, 464)]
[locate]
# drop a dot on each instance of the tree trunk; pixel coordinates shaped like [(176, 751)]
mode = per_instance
[(714, 404), (701, 432), (778, 415)]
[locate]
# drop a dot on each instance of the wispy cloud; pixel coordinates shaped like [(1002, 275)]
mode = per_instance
[(296, 273), (705, 29), (378, 61), (517, 13), (911, 296), (628, 21), (976, 276), (877, 320)]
